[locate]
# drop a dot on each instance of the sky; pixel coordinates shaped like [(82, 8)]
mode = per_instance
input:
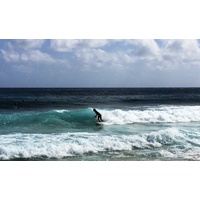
[(99, 63)]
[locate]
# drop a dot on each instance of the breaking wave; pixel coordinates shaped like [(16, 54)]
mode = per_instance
[(58, 146), (85, 117)]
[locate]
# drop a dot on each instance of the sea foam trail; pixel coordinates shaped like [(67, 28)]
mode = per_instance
[(167, 114), (58, 146)]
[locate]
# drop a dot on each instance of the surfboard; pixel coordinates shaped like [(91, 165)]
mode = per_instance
[(99, 123)]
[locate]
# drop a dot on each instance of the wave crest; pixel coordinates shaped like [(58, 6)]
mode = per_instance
[(168, 114)]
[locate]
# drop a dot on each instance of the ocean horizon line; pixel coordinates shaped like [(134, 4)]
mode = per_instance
[(146, 87)]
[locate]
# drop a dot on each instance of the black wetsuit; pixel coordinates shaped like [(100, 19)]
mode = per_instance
[(99, 115)]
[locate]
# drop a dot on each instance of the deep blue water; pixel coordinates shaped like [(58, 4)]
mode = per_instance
[(140, 124)]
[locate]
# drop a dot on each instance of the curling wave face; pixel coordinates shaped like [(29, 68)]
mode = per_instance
[(165, 114)]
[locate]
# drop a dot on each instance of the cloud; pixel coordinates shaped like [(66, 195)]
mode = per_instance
[(165, 54), (96, 43), (120, 53), (100, 58), (28, 51), (156, 54), (37, 56), (29, 56), (133, 54), (94, 53), (64, 45), (122, 62), (70, 45), (181, 52), (94, 56), (10, 56), (29, 44), (144, 48), (181, 45)]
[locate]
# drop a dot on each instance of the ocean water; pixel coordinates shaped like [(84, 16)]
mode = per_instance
[(141, 124)]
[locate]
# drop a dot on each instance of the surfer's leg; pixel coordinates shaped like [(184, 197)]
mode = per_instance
[(100, 118)]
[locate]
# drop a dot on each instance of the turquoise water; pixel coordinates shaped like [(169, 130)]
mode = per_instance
[(59, 124)]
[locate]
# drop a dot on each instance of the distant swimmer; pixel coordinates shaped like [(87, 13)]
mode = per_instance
[(98, 114), (16, 106)]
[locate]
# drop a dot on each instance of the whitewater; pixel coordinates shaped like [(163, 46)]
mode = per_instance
[(62, 134), (59, 124)]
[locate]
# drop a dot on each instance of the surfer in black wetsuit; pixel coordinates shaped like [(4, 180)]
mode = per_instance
[(98, 114)]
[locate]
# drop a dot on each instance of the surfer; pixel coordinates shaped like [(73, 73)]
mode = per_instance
[(16, 106), (98, 114)]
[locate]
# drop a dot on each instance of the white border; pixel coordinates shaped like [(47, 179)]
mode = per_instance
[(89, 19), (99, 180)]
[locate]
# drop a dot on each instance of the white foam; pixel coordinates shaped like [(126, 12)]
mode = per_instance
[(72, 144), (167, 114), (61, 111), (166, 136)]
